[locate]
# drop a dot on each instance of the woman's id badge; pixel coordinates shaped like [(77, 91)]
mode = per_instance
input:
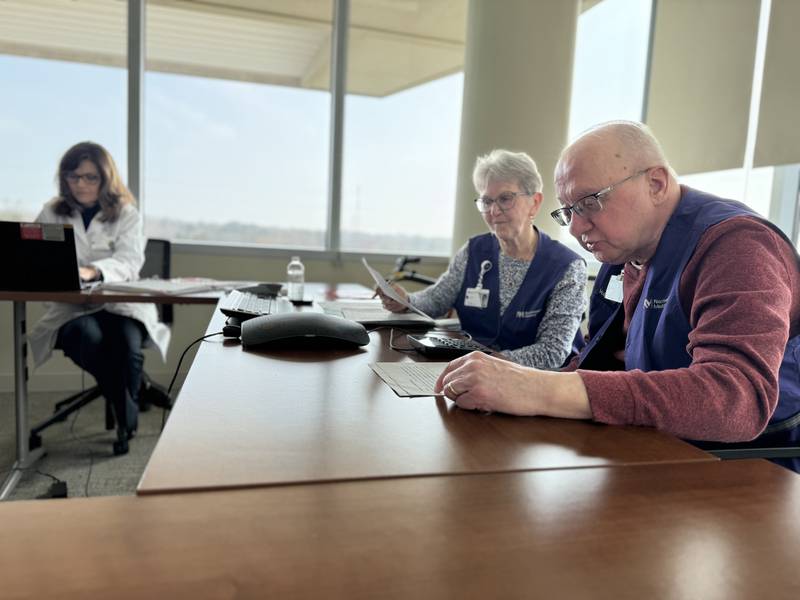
[(477, 297), (614, 289)]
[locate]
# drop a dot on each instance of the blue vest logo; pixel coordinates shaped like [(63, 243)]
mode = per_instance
[(655, 304)]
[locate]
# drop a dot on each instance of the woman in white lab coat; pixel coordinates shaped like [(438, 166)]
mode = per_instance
[(105, 340)]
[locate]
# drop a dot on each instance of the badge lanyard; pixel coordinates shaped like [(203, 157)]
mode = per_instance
[(477, 297)]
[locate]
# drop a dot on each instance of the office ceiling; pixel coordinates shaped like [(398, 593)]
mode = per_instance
[(393, 44)]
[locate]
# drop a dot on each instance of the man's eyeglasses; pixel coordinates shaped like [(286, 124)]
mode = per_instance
[(89, 178), (588, 205), (504, 201)]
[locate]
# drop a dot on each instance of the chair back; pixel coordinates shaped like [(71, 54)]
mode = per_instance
[(157, 261)]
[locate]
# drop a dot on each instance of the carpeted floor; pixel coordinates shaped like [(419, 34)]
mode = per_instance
[(78, 451)]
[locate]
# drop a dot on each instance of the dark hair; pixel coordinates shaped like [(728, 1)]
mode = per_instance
[(113, 194)]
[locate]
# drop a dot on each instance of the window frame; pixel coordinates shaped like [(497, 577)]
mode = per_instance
[(338, 89)]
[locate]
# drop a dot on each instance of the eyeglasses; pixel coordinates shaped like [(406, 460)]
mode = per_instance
[(89, 178), (504, 201), (588, 205)]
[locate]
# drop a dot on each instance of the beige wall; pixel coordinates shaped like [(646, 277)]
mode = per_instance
[(778, 139)]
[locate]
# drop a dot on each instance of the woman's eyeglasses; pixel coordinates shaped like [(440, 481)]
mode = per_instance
[(89, 178), (504, 201)]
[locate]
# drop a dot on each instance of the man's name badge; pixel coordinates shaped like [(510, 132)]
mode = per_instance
[(476, 297), (614, 289)]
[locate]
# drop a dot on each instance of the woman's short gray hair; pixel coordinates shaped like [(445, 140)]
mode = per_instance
[(508, 167)]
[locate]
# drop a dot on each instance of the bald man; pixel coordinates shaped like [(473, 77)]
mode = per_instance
[(694, 317)]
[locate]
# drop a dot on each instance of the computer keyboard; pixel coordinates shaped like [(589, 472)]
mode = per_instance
[(445, 346), (244, 305)]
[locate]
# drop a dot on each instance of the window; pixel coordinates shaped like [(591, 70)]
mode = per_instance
[(401, 155), (237, 125), (237, 115), (610, 63), (755, 190), (402, 125)]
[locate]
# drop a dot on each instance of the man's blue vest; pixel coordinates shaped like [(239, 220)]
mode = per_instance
[(520, 321), (659, 329)]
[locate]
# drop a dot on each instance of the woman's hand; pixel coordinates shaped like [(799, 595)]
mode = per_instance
[(391, 304), (89, 273), (478, 381)]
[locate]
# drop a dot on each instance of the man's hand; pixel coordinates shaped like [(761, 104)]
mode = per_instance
[(481, 382), (390, 304)]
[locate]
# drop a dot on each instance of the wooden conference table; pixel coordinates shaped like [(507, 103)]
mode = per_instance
[(711, 530), (24, 456), (255, 418)]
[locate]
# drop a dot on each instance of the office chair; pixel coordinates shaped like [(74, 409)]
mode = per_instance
[(157, 260), (768, 447), (733, 452), (400, 272)]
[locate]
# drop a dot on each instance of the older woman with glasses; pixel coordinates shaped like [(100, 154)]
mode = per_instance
[(105, 340), (515, 289)]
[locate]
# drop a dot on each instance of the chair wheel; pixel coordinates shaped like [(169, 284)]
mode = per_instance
[(34, 441), (120, 447)]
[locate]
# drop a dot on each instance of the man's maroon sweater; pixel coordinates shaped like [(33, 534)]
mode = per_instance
[(741, 294)]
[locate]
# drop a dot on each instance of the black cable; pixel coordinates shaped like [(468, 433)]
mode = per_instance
[(72, 425), (377, 328), (88, 476), (175, 375), (37, 471), (391, 337), (43, 474)]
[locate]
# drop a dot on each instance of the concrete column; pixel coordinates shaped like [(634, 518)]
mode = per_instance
[(517, 81)]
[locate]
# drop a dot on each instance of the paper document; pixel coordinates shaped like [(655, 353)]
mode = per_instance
[(371, 312), (389, 290), (175, 286), (409, 379)]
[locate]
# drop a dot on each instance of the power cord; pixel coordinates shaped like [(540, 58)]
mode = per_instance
[(175, 375)]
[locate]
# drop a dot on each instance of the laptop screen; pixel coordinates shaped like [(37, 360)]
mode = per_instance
[(43, 257)]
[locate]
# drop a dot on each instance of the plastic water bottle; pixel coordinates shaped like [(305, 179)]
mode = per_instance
[(295, 277)]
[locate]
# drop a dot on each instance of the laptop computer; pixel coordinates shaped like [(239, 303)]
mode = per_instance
[(42, 257)]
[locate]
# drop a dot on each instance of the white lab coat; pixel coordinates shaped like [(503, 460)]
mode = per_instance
[(117, 249)]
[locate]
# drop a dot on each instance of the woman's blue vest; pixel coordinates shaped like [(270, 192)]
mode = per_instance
[(659, 329), (520, 321)]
